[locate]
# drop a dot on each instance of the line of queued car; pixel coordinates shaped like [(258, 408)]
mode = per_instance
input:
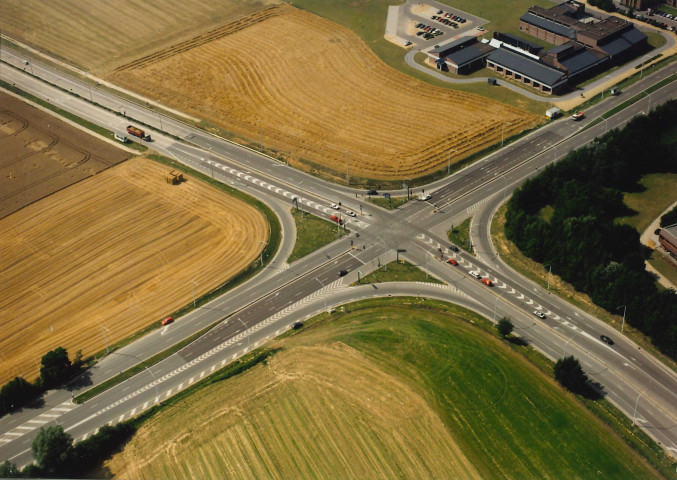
[(427, 31), (448, 18)]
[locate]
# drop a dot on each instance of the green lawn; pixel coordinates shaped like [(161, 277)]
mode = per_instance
[(665, 267), (660, 193), (510, 419), (312, 233), (398, 272), (460, 235)]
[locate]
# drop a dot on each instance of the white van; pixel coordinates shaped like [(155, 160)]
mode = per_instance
[(120, 137)]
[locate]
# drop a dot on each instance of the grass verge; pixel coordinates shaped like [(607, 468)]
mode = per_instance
[(460, 235), (398, 271), (391, 203), (312, 233)]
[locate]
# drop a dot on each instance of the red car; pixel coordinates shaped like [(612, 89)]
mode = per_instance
[(167, 321), (452, 261), (487, 282)]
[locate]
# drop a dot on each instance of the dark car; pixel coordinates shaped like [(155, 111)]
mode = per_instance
[(343, 273), (453, 248), (372, 192), (606, 340), (297, 325)]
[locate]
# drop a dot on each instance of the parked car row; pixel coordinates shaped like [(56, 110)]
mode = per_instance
[(427, 31), (451, 16), (445, 21)]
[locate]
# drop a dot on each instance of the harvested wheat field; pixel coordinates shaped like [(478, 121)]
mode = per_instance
[(120, 250), (307, 414), (100, 35), (315, 93), (42, 154)]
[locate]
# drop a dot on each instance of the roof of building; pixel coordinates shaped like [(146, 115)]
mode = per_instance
[(634, 36), (616, 46), (447, 48), (469, 54), (528, 67), (669, 234), (548, 25), (580, 61), (561, 48)]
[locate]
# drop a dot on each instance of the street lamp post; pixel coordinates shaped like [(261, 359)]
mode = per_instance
[(565, 345), (347, 168), (192, 289), (105, 340), (323, 295), (549, 273), (624, 309), (634, 415), (261, 255), (385, 258), (502, 131), (496, 303)]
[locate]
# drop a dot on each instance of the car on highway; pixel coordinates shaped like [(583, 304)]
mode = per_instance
[(351, 213), (578, 116), (606, 340), (343, 273), (452, 261), (476, 274), (372, 192), (453, 248), (487, 282), (334, 206), (540, 315), (167, 321)]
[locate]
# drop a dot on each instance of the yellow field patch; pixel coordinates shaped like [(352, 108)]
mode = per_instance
[(99, 35), (117, 251), (312, 412), (313, 91)]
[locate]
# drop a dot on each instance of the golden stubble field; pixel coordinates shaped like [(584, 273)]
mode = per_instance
[(117, 251), (314, 92), (323, 411), (100, 35)]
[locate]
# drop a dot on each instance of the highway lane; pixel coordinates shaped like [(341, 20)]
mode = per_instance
[(392, 229)]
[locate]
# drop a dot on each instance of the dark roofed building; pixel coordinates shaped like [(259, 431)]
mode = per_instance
[(536, 74), (562, 23), (577, 60), (462, 56), (518, 42)]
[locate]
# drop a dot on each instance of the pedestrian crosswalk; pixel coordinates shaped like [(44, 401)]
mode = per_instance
[(41, 420)]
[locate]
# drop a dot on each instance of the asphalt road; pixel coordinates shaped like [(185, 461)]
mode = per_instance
[(282, 294)]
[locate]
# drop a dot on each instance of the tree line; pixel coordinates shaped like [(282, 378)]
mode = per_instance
[(566, 218), (55, 369)]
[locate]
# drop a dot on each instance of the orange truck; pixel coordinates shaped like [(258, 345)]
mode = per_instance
[(137, 132)]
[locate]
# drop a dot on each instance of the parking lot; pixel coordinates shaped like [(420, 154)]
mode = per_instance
[(428, 24)]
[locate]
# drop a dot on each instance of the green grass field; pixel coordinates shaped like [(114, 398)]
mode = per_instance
[(660, 192), (460, 235), (392, 388), (311, 233), (388, 203)]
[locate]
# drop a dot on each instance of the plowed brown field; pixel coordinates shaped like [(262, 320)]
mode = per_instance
[(100, 35), (117, 251), (40, 154), (314, 91)]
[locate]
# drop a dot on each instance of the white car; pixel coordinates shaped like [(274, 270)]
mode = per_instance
[(475, 274), (540, 315), (351, 213), (334, 206)]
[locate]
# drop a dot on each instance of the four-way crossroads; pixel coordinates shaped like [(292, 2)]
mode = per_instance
[(268, 304)]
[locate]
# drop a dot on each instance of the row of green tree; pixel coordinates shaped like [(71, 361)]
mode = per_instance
[(55, 369), (607, 5), (56, 456), (565, 218)]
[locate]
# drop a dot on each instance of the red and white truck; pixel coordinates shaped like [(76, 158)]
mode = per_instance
[(137, 132)]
